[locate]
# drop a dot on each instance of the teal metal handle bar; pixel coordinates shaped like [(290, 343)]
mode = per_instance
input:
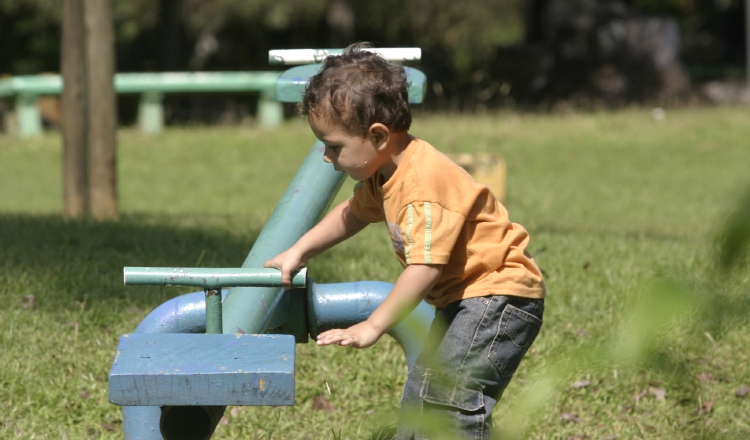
[(307, 56), (209, 278)]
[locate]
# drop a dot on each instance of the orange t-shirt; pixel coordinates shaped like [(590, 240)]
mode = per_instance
[(437, 214)]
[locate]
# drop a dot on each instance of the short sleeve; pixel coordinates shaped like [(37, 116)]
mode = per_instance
[(366, 202), (429, 232)]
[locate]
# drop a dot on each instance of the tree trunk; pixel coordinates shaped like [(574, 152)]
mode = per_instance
[(102, 119), (747, 41), (74, 103)]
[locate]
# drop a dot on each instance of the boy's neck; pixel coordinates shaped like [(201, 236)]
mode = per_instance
[(395, 150)]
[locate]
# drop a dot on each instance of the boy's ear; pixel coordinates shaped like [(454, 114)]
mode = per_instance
[(379, 133)]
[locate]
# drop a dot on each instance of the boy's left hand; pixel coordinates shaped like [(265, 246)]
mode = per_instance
[(411, 287), (287, 262), (360, 335)]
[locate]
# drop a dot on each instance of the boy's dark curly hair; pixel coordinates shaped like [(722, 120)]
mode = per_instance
[(357, 89)]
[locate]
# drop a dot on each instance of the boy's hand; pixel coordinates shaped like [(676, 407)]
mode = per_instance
[(411, 287), (287, 262), (338, 225), (360, 335)]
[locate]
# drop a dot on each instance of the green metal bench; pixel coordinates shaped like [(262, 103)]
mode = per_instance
[(152, 87)]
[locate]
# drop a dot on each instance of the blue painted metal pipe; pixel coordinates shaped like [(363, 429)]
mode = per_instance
[(329, 306), (342, 305), (183, 314)]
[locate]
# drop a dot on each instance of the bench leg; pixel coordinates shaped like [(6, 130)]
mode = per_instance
[(29, 119), (270, 111), (151, 113)]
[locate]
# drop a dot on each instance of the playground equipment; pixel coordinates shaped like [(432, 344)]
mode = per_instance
[(174, 383), (152, 87)]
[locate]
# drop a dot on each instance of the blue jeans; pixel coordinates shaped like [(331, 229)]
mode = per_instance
[(473, 348)]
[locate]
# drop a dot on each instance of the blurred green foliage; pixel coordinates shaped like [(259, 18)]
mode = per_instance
[(29, 36), (711, 29), (684, 7), (736, 239), (459, 38), (659, 332), (467, 31)]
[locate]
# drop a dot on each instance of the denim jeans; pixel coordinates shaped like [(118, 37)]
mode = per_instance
[(473, 348)]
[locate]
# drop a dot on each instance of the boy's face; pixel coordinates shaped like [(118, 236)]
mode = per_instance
[(355, 155)]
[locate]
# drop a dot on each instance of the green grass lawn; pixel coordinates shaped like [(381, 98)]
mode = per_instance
[(644, 337)]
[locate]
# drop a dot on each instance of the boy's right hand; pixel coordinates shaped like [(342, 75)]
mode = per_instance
[(287, 262)]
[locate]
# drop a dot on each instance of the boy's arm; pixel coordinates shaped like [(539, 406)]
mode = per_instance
[(338, 225), (414, 283)]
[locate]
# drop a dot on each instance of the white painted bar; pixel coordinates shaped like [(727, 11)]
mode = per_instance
[(308, 56)]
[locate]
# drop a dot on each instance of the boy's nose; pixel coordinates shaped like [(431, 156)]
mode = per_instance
[(327, 159)]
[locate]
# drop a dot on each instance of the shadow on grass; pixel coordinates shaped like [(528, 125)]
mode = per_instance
[(64, 263)]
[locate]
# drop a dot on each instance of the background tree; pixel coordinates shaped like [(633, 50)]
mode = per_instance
[(89, 111), (74, 105), (102, 118)]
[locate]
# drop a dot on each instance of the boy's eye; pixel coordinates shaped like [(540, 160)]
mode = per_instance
[(333, 147)]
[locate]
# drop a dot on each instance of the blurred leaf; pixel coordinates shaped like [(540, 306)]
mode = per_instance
[(108, 426), (320, 403), (658, 307), (28, 301), (570, 417), (658, 393), (581, 383), (705, 408), (736, 239)]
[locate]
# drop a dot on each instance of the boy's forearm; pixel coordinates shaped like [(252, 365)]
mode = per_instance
[(412, 286), (338, 225)]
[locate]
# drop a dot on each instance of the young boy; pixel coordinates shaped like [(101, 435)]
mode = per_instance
[(459, 250)]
